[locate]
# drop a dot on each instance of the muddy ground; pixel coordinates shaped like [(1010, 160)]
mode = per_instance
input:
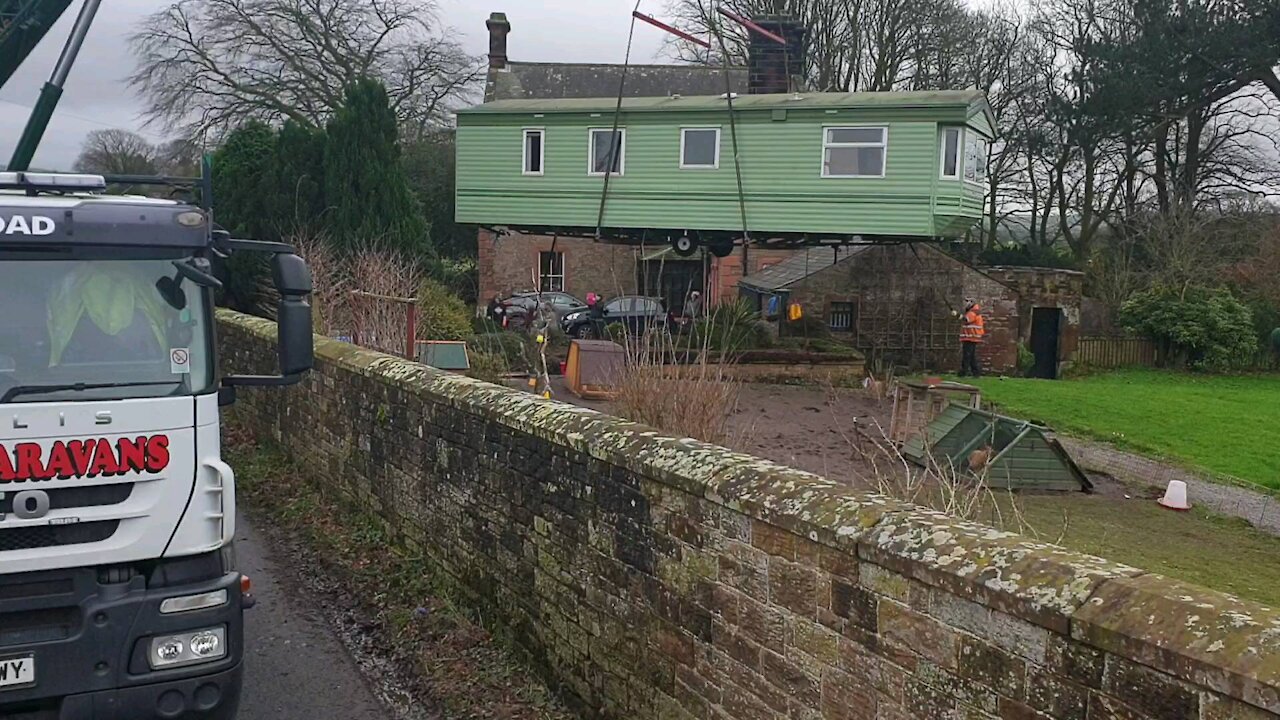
[(834, 432)]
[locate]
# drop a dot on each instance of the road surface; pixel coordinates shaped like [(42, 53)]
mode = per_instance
[(296, 667)]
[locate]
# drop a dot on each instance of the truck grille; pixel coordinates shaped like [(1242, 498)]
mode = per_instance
[(27, 538), (76, 497)]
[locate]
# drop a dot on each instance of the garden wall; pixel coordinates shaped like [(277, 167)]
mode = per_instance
[(650, 577)]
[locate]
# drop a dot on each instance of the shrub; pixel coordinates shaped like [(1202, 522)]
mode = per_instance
[(810, 325), (729, 327), (615, 331), (441, 314), (694, 400), (487, 366), (1029, 256), (513, 348), (1026, 359), (1200, 328), (381, 274)]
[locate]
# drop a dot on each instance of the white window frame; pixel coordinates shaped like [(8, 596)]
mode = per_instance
[(716, 164), (883, 144), (942, 152), (591, 149), (564, 271), (524, 151)]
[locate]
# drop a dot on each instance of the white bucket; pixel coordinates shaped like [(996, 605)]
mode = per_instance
[(1175, 496)]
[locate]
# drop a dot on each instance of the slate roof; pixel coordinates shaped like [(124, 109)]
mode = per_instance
[(526, 81), (663, 102), (799, 266)]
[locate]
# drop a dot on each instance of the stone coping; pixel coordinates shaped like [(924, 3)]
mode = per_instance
[(1199, 635)]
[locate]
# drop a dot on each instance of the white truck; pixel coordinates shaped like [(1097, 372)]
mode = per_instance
[(119, 597)]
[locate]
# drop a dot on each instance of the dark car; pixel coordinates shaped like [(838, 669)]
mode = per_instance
[(520, 309), (637, 314)]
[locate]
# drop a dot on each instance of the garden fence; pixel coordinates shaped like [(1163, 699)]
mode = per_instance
[(1116, 351)]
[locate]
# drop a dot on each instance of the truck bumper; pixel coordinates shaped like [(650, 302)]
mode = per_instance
[(211, 697), (89, 642)]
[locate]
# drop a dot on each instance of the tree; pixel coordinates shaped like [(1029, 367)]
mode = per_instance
[(180, 157), (429, 165), (854, 45), (293, 186), (210, 65), (240, 168), (239, 171), (117, 152), (365, 184)]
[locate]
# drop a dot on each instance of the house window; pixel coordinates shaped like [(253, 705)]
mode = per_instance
[(699, 148), (551, 271), (975, 157), (534, 151), (607, 152), (854, 151), (951, 153), (840, 316)]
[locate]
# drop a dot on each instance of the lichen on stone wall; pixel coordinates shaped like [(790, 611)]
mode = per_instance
[(624, 557)]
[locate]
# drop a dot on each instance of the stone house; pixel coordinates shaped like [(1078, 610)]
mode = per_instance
[(511, 261), (894, 302)]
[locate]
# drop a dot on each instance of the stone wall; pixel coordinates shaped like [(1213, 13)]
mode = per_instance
[(903, 297), (509, 264), (651, 577), (1047, 288)]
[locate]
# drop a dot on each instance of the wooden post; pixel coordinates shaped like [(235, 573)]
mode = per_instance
[(411, 342), (355, 330)]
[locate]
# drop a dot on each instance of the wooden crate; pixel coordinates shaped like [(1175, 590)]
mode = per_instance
[(916, 403), (594, 369)]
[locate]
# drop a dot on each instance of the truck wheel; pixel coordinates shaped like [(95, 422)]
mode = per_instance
[(684, 246)]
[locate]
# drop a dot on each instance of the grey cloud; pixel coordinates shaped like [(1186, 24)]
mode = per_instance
[(97, 95)]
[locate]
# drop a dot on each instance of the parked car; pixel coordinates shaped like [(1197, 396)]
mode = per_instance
[(520, 309), (636, 313)]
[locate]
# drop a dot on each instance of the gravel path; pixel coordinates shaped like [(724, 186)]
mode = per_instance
[(1257, 507)]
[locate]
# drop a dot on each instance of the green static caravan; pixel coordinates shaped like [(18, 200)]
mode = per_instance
[(815, 166)]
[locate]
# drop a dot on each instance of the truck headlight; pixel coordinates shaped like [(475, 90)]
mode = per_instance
[(188, 648)]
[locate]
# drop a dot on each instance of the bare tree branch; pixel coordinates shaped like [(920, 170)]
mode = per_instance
[(206, 66)]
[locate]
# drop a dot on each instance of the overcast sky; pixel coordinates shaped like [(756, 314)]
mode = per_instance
[(96, 95)]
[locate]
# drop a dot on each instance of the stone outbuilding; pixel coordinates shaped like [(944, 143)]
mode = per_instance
[(895, 303)]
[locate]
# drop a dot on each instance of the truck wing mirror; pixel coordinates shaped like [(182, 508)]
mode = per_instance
[(295, 342), (293, 316)]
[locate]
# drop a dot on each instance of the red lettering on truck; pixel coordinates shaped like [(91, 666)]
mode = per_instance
[(93, 457)]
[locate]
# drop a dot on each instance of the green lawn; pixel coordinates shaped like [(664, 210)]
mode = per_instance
[(1226, 425), (1225, 554)]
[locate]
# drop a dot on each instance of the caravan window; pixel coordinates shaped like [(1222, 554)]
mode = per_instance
[(534, 151), (951, 153), (699, 148), (975, 157), (854, 151), (607, 152)]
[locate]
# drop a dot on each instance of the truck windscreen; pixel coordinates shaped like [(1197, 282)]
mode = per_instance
[(136, 325)]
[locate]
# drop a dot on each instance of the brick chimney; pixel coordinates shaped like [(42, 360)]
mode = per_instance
[(499, 28), (774, 68)]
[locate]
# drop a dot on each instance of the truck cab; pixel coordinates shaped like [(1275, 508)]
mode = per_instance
[(119, 596)]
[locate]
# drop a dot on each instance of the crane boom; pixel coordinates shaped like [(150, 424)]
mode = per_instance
[(23, 23)]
